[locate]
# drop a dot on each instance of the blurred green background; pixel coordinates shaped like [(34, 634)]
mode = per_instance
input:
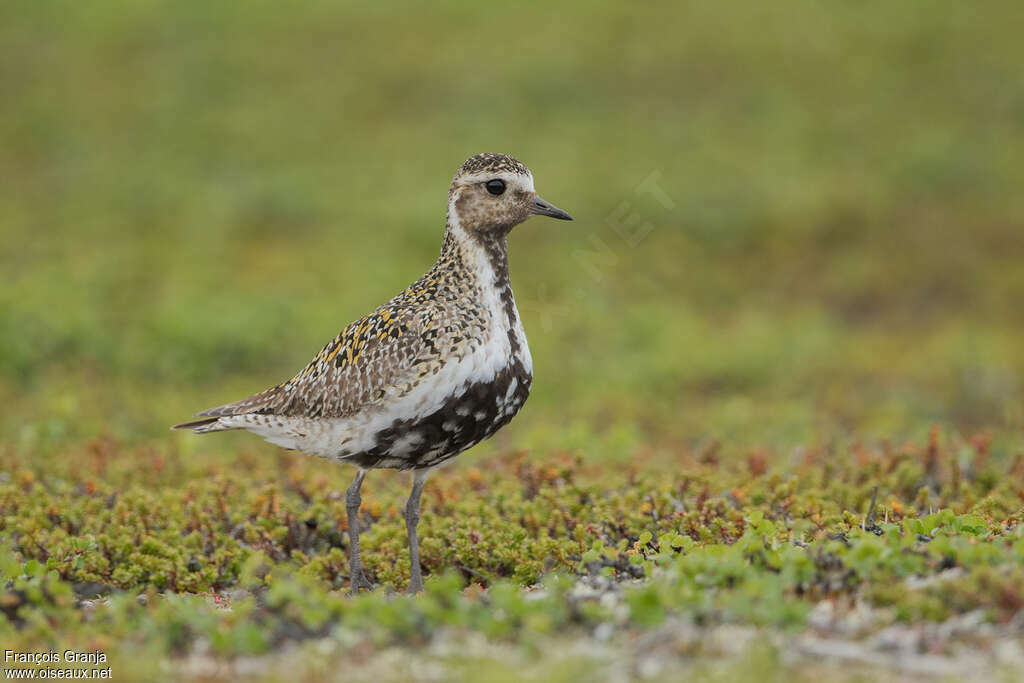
[(795, 221)]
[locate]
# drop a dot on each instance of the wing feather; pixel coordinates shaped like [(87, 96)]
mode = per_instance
[(369, 359)]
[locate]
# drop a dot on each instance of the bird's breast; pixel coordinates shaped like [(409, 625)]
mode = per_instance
[(477, 379), (459, 415)]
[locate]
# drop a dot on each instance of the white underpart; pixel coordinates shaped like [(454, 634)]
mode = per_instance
[(339, 437), (405, 444)]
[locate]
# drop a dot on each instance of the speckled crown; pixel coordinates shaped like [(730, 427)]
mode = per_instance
[(494, 163)]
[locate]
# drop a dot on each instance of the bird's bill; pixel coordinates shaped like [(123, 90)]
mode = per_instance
[(542, 208)]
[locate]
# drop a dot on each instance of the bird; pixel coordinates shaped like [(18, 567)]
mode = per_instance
[(431, 373)]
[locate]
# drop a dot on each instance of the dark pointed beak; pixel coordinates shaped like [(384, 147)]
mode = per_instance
[(542, 208)]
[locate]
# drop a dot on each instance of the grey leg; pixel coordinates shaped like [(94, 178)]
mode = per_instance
[(357, 579), (412, 518)]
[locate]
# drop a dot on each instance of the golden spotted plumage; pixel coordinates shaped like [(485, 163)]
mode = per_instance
[(434, 371)]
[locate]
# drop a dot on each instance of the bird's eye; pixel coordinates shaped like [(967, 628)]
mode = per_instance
[(495, 186)]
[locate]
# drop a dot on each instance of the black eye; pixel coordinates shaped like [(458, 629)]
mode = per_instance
[(495, 186)]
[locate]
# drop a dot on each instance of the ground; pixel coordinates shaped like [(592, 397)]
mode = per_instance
[(794, 563), (777, 426)]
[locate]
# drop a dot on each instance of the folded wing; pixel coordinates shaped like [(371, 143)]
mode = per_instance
[(371, 358)]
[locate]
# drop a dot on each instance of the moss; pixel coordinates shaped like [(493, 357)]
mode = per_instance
[(713, 546)]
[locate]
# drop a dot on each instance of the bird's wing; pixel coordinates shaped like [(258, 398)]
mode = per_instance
[(370, 358)]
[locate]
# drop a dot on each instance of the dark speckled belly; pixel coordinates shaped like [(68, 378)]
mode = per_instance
[(467, 418)]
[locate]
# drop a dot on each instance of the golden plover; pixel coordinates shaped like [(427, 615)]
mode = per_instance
[(434, 371)]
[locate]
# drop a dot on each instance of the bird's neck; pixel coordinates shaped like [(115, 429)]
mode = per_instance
[(479, 255)]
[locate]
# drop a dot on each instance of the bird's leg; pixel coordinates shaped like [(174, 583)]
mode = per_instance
[(358, 580), (412, 518)]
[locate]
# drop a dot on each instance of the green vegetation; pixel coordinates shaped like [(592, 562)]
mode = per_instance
[(795, 279), (252, 562)]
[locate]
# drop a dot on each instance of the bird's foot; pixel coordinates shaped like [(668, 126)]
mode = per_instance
[(359, 583)]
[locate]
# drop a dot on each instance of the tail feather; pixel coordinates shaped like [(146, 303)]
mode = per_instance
[(210, 420), (256, 402), (207, 424)]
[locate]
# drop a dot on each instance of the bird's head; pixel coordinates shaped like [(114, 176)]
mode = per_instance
[(492, 193)]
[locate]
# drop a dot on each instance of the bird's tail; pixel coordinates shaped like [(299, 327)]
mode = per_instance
[(204, 426)]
